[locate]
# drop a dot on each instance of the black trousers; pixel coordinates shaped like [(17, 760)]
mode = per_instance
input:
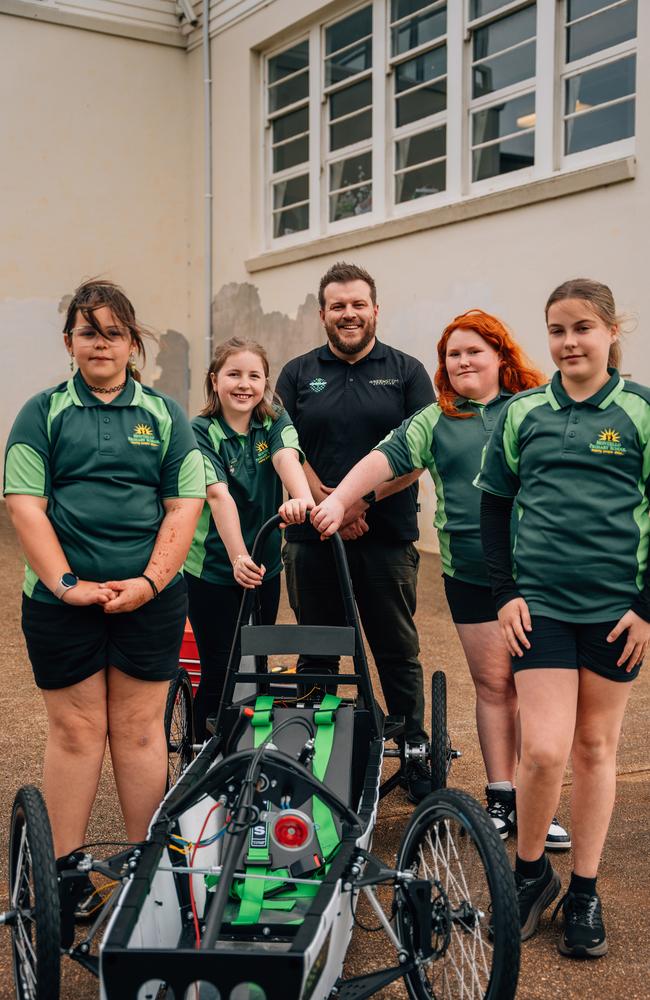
[(384, 577), (213, 611)]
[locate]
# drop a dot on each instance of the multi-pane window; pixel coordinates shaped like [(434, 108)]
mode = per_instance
[(396, 106), (600, 73), (418, 60)]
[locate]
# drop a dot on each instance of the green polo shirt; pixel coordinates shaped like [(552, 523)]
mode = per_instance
[(579, 472), (243, 462), (105, 469), (450, 448)]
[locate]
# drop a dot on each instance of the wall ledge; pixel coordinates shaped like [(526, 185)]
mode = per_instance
[(94, 22)]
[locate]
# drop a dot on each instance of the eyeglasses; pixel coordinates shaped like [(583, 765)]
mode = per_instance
[(89, 333)]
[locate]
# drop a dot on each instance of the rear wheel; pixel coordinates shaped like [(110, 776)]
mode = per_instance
[(451, 843), (440, 749), (34, 896), (179, 728)]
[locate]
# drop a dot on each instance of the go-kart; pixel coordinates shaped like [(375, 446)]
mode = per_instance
[(247, 885)]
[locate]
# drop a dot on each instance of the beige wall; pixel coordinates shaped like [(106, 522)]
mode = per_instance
[(506, 263), (94, 181)]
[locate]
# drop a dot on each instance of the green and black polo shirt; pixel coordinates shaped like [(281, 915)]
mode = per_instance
[(105, 469), (450, 448), (579, 472), (243, 462)]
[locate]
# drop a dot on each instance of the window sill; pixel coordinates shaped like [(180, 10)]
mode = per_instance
[(558, 186)]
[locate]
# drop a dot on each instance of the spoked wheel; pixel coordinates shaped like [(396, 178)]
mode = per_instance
[(34, 896), (474, 954), (179, 728), (440, 747)]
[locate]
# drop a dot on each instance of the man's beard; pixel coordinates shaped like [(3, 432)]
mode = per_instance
[(367, 332)]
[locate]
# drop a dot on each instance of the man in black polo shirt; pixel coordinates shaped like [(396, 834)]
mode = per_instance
[(344, 398)]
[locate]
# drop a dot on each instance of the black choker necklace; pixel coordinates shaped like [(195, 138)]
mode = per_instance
[(106, 392)]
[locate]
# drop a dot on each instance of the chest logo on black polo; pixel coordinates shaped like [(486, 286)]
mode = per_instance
[(383, 381), (263, 453), (143, 434), (608, 443), (317, 384)]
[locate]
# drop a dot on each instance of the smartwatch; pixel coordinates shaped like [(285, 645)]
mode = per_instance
[(67, 582), (370, 498)]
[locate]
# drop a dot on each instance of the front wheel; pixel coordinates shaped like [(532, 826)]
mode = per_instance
[(34, 898), (452, 844), (179, 727)]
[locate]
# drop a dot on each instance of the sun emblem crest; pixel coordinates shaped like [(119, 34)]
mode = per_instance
[(144, 429), (609, 434), (261, 447)]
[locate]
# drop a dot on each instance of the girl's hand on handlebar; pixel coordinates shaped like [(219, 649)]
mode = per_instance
[(246, 573), (327, 516), (294, 511), (514, 619)]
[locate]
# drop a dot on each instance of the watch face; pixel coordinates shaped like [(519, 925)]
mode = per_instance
[(69, 580)]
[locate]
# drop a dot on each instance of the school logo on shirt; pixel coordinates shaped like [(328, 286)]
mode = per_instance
[(143, 435), (263, 452), (608, 443), (317, 384), (383, 381)]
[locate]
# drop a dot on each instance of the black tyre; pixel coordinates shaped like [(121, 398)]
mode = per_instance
[(34, 895), (179, 727), (440, 753), (451, 842)]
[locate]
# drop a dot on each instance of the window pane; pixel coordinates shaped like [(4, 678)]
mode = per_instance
[(289, 62), (596, 86), (480, 7), (351, 130), (578, 8), (419, 30), (425, 67), (291, 154), (503, 119), (502, 71), (599, 127), (289, 92), (291, 124), (291, 220), (609, 28), (402, 8), (347, 204), (500, 35), (358, 25), (291, 191), (420, 182), (418, 148), (350, 171), (348, 63), (420, 103), (503, 157), (344, 102)]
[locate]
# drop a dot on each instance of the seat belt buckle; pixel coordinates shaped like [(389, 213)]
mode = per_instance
[(305, 866)]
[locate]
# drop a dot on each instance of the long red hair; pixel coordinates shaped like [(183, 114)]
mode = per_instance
[(516, 373)]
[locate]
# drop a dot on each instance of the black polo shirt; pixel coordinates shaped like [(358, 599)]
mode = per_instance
[(342, 410)]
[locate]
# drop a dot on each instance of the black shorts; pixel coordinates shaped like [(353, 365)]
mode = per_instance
[(67, 644), (569, 646), (468, 603)]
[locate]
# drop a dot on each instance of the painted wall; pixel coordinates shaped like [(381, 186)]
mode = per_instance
[(506, 263), (94, 181)]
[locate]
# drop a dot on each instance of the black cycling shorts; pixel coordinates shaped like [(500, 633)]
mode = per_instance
[(469, 603), (570, 645)]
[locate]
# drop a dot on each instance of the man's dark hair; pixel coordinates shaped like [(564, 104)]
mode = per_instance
[(341, 273)]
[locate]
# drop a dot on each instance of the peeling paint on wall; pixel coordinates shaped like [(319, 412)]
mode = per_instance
[(173, 361)]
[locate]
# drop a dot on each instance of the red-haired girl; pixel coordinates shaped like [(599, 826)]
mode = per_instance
[(480, 366)]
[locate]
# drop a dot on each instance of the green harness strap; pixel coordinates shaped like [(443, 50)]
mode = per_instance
[(326, 831)]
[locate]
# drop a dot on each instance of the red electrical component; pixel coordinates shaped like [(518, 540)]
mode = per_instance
[(292, 830)]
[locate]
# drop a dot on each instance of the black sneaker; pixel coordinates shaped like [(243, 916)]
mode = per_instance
[(501, 810), (584, 932), (534, 895), (557, 838), (416, 779)]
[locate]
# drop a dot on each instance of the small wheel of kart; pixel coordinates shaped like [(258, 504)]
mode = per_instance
[(469, 906), (440, 756), (179, 727), (34, 896)]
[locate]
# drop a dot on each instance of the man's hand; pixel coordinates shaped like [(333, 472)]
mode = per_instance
[(638, 635), (130, 595), (354, 513), (514, 619), (357, 529)]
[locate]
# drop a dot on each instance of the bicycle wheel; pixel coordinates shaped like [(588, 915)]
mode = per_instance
[(34, 895), (179, 728), (451, 843), (439, 754)]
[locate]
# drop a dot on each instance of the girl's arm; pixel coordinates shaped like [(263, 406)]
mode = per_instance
[(287, 465), (226, 518), (364, 477), (169, 552), (512, 610), (44, 553)]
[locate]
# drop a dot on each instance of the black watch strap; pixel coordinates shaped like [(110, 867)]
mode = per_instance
[(370, 498)]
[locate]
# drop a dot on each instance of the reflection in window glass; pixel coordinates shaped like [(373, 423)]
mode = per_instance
[(500, 35), (421, 182), (289, 62), (421, 147), (402, 8), (291, 191), (503, 119), (348, 204), (415, 104), (358, 25), (290, 154), (351, 130), (355, 169), (348, 63), (480, 7), (292, 124), (428, 66), (420, 29), (344, 102), (289, 92), (604, 83), (504, 70), (291, 220), (578, 8), (597, 128), (503, 157), (608, 28)]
